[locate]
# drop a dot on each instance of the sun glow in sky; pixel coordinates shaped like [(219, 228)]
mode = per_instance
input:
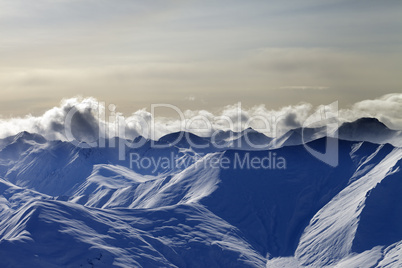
[(197, 54)]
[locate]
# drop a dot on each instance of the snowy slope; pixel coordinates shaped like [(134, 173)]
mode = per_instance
[(61, 234), (332, 232)]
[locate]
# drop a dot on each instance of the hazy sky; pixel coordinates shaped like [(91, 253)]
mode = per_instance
[(197, 54)]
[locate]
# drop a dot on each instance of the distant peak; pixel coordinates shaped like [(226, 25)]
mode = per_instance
[(366, 122), (182, 138), (175, 135), (366, 129), (25, 135), (250, 130)]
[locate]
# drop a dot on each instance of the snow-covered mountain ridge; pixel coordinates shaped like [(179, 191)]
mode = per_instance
[(66, 206)]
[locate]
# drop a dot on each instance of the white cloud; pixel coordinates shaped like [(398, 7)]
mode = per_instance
[(90, 118), (387, 109)]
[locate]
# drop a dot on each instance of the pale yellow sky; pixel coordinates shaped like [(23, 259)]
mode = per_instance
[(197, 54)]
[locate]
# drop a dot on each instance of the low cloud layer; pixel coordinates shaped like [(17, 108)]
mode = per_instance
[(86, 119)]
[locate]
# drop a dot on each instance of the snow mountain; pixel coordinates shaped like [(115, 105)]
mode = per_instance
[(169, 203)]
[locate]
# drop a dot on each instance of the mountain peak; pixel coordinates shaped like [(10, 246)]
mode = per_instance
[(25, 135), (366, 129), (183, 138), (366, 123)]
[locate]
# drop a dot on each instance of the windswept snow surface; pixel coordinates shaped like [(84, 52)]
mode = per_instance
[(66, 206)]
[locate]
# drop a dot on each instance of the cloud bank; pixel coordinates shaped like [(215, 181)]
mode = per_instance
[(86, 119)]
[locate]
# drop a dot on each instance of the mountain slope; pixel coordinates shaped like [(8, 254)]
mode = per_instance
[(66, 206), (332, 230), (61, 234)]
